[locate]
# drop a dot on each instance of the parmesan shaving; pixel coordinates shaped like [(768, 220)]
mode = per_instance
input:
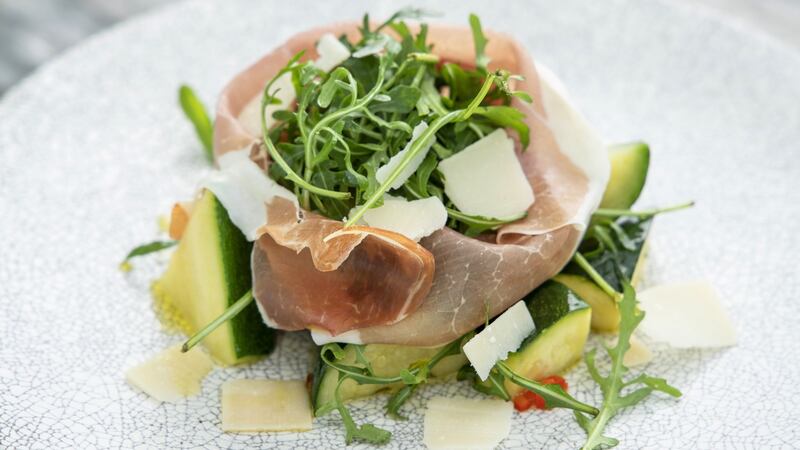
[(496, 341), (265, 405), (171, 375), (486, 178), (385, 170), (686, 315), (459, 423), (413, 219)]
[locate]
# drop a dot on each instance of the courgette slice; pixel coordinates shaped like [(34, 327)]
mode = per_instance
[(626, 260), (208, 272), (386, 360), (629, 165), (562, 322)]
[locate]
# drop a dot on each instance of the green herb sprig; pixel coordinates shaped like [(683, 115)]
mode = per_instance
[(361, 372), (613, 384)]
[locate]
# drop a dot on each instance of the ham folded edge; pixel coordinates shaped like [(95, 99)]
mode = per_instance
[(383, 290)]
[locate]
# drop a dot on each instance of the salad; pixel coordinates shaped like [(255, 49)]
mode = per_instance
[(425, 201)]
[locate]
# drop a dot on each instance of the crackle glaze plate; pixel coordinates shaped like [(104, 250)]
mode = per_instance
[(93, 148)]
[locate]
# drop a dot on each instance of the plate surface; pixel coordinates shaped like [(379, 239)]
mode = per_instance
[(93, 148)]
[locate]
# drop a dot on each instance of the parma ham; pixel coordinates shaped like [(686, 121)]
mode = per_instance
[(373, 286)]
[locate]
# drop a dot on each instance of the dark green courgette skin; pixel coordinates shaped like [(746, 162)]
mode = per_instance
[(317, 375), (548, 304), (251, 337)]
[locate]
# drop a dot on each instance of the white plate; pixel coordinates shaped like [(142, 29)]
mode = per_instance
[(93, 148)]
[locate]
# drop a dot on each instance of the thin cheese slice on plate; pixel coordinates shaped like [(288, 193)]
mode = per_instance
[(460, 423), (171, 375), (265, 405), (486, 179), (413, 219), (686, 315), (385, 170), (501, 337)]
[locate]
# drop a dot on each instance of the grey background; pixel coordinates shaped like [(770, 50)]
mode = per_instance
[(33, 31)]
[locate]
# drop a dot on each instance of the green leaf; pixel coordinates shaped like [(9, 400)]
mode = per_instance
[(334, 83), (612, 385), (398, 399), (494, 384), (195, 111), (476, 225), (406, 14), (368, 433), (507, 117), (402, 100), (146, 249), (479, 40)]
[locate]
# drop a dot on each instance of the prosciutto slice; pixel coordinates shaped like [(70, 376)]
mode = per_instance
[(335, 279), (472, 277)]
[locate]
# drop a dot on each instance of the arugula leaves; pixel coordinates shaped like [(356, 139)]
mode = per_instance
[(480, 41), (350, 121), (195, 111), (332, 355), (613, 384)]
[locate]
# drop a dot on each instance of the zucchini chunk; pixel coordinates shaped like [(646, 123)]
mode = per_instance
[(605, 315), (629, 164), (208, 272), (562, 325), (627, 261), (386, 360)]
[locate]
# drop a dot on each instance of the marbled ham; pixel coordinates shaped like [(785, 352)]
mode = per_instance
[(471, 275), (311, 273)]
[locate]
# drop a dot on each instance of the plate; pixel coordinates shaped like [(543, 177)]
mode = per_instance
[(93, 148)]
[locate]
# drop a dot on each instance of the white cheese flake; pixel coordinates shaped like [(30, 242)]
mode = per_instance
[(501, 337), (331, 53), (322, 337), (171, 375), (413, 219), (486, 178), (244, 190), (686, 315), (265, 405), (453, 423), (385, 170)]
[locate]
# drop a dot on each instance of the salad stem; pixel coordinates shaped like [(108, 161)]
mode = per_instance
[(605, 212), (415, 148), (560, 398), (599, 280), (227, 315)]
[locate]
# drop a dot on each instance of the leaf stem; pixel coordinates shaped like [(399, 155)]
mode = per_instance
[(596, 277), (549, 392), (291, 174), (227, 315), (606, 212), (415, 148)]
